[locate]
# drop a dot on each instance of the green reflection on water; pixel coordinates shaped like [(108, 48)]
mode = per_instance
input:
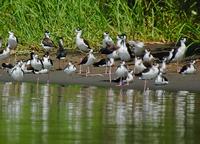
[(77, 114)]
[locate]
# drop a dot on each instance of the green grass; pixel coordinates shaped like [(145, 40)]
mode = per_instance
[(142, 20)]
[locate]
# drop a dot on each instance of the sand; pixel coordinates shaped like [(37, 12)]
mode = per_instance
[(177, 81)]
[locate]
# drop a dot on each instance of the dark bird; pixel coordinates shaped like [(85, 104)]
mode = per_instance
[(61, 52), (46, 42)]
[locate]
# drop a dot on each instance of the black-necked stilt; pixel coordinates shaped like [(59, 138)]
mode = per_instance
[(15, 71), (163, 66), (87, 60), (148, 57), (46, 42), (121, 72), (110, 52), (107, 40), (148, 74), (81, 43), (61, 52), (188, 69), (12, 42), (169, 57), (26, 66), (108, 62), (70, 68), (161, 80), (5, 53), (123, 51), (137, 46), (179, 53), (129, 78), (47, 62), (35, 62), (139, 66)]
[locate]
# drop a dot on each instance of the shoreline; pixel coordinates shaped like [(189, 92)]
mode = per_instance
[(177, 82)]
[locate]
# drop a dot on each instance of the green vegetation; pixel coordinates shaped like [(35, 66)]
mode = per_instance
[(148, 20)]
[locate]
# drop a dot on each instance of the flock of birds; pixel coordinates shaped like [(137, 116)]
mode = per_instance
[(146, 66)]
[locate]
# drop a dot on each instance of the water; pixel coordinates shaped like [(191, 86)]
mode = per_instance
[(49, 114)]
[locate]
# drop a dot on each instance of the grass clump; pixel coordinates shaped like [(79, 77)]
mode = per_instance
[(153, 20)]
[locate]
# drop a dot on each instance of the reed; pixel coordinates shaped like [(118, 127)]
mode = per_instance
[(141, 20)]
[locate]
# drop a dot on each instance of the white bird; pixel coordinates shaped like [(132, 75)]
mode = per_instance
[(161, 80), (148, 74), (148, 57), (26, 67), (107, 40), (129, 77), (12, 40), (81, 43), (35, 62), (123, 51), (188, 69), (87, 60), (139, 66), (70, 68), (121, 72), (163, 66), (47, 62), (5, 53), (15, 71), (179, 53), (46, 42)]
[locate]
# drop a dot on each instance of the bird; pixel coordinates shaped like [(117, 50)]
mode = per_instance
[(26, 66), (188, 68), (107, 40), (129, 77), (108, 62), (169, 57), (70, 68), (179, 53), (12, 40), (123, 51), (139, 66), (81, 43), (121, 72), (163, 65), (161, 80), (12, 43), (14, 71), (5, 53), (137, 47), (47, 62), (61, 52), (87, 60), (46, 42), (35, 62), (148, 57), (37, 65), (148, 74)]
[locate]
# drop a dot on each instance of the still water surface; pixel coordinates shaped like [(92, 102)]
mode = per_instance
[(55, 114)]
